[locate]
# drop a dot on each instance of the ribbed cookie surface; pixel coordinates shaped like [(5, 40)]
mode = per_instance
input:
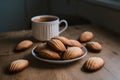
[(18, 65), (64, 40), (57, 45), (72, 52), (76, 43), (94, 63), (94, 46), (48, 54)]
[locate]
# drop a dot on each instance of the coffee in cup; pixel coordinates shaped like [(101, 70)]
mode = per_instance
[(44, 27)]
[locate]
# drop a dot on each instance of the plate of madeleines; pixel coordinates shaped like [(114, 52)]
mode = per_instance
[(59, 50)]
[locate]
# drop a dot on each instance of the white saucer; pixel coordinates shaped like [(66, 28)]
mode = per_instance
[(60, 61)]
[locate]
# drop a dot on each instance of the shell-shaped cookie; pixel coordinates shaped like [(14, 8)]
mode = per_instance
[(56, 44), (40, 47), (86, 36), (76, 43), (18, 65), (94, 46), (94, 63), (49, 54), (24, 45), (72, 52), (64, 40)]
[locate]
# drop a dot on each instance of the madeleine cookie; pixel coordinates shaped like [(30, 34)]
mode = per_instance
[(72, 52), (56, 44), (64, 40), (48, 54), (94, 46), (93, 64), (18, 65), (76, 43), (24, 45), (86, 36), (40, 47)]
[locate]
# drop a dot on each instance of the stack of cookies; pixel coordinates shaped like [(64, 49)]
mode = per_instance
[(59, 48)]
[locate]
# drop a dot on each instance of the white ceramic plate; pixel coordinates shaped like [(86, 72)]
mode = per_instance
[(60, 61)]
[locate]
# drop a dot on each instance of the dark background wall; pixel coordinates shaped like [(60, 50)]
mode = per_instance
[(16, 14), (12, 15), (101, 14)]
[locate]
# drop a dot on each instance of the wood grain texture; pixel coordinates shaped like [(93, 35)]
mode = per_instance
[(39, 70)]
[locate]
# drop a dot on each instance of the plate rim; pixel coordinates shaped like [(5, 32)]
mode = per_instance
[(60, 61)]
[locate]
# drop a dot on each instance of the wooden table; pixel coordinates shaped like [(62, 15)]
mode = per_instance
[(39, 70)]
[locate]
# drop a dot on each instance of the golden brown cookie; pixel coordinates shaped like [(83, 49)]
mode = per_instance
[(24, 45), (72, 52), (18, 65), (76, 43), (40, 47), (93, 64), (48, 54), (64, 40), (86, 36), (56, 44), (94, 46)]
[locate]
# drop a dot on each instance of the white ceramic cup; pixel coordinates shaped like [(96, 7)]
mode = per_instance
[(44, 27)]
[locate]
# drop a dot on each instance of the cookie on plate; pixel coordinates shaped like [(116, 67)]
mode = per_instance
[(49, 54), (72, 52), (40, 46), (76, 43), (64, 40), (56, 44)]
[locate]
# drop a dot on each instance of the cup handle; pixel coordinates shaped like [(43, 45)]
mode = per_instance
[(66, 25)]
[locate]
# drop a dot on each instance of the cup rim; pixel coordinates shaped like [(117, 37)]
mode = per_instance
[(34, 17)]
